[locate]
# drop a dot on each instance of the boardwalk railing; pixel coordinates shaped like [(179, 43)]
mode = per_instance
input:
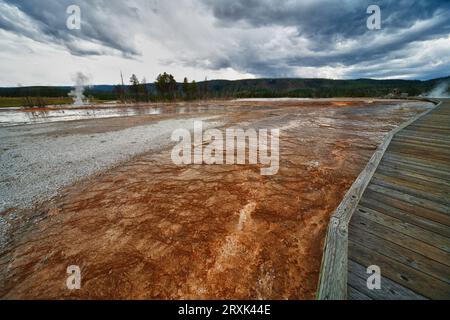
[(333, 274)]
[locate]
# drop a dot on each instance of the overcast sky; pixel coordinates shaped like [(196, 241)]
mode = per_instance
[(221, 39)]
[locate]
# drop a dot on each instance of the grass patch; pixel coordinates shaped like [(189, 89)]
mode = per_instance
[(6, 102)]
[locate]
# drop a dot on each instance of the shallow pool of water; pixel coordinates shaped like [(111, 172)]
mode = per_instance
[(20, 116)]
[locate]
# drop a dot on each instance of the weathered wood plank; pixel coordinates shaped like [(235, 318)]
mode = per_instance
[(422, 191), (432, 128), (400, 170), (419, 159), (416, 220), (427, 165), (433, 136), (407, 277), (354, 294), (441, 161), (409, 229), (334, 262), (401, 239), (413, 186), (407, 207), (420, 148), (390, 290), (410, 198), (421, 141), (400, 254)]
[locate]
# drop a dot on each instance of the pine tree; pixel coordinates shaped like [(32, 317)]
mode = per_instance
[(186, 89), (194, 90), (166, 85), (135, 86)]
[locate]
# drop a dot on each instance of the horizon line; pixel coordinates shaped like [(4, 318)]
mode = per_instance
[(236, 80)]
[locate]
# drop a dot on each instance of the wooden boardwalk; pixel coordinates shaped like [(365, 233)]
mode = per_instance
[(402, 220)]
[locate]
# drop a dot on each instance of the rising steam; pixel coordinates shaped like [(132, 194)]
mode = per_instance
[(440, 91), (77, 94)]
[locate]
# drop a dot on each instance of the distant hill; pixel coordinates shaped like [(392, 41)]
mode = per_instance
[(259, 88), (309, 88)]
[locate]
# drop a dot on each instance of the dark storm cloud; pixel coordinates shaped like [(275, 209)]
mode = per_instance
[(326, 23), (101, 24), (324, 17), (259, 37)]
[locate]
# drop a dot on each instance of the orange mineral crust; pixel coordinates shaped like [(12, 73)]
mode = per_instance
[(149, 229)]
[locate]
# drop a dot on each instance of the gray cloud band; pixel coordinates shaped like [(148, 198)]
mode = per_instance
[(264, 37)]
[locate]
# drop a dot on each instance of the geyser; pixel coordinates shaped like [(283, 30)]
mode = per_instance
[(77, 94), (440, 91)]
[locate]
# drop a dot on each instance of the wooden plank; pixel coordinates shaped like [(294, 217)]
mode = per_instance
[(429, 131), (432, 147), (433, 157), (405, 276), (439, 115), (415, 171), (439, 120), (417, 187), (436, 119), (423, 139), (430, 126), (419, 159), (354, 294), (390, 290), (409, 172), (436, 137), (401, 239), (427, 166), (423, 158), (437, 180), (409, 229), (415, 177), (407, 207), (410, 198), (416, 220), (440, 111), (400, 254), (422, 191), (428, 123), (334, 262), (421, 148)]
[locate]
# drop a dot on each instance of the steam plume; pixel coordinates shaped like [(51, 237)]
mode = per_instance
[(440, 91), (77, 94)]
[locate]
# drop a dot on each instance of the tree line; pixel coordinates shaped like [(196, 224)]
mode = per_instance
[(165, 88)]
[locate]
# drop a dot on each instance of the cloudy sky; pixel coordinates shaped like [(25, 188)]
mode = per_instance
[(222, 39)]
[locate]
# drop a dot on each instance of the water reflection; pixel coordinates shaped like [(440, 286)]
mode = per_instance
[(16, 116)]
